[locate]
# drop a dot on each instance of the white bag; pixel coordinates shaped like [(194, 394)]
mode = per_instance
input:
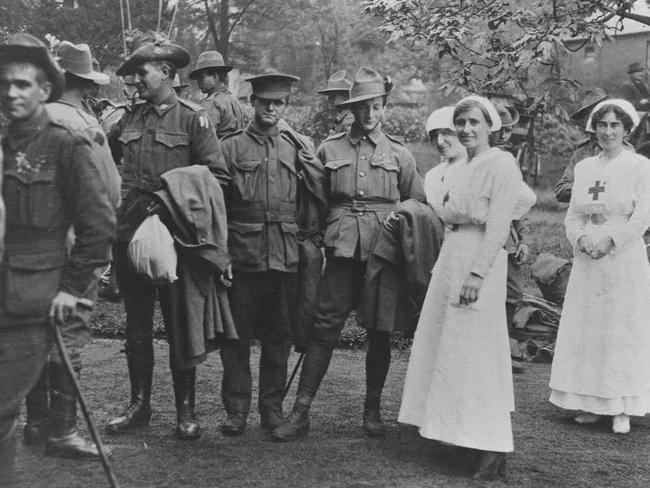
[(152, 253)]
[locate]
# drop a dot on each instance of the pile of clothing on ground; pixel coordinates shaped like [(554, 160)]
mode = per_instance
[(536, 320)]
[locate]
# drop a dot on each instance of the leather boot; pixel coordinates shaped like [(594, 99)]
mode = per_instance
[(187, 427), (377, 364), (139, 356), (295, 426), (37, 406), (491, 465), (65, 440), (314, 367), (271, 419)]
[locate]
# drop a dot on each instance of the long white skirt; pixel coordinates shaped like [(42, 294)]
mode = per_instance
[(458, 386), (602, 353)]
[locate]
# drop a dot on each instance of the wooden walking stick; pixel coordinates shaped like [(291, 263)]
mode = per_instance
[(58, 338), (293, 375)]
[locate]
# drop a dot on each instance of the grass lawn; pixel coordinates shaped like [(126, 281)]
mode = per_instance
[(551, 451)]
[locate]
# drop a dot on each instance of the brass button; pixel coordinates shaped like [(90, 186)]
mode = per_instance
[(363, 158), (362, 173), (361, 193)]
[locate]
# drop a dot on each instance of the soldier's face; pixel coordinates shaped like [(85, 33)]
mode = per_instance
[(149, 80), (268, 112), (368, 113), (206, 81), (637, 76), (23, 90)]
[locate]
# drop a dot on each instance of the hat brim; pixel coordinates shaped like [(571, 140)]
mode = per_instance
[(585, 110), (514, 114), (361, 98), (194, 73), (272, 95), (39, 56), (94, 76), (327, 91), (180, 57)]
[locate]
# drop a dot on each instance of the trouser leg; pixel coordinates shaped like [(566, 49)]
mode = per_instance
[(339, 292), (514, 292), (237, 382), (23, 352), (37, 410), (273, 375)]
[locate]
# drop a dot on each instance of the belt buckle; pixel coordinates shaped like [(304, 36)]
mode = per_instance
[(358, 206)]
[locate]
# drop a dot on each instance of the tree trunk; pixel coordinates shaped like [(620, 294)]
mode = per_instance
[(224, 29)]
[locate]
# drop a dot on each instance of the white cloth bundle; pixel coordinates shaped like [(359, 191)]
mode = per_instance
[(152, 253)]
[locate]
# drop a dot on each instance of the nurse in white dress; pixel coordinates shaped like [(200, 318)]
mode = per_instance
[(601, 365), (458, 386)]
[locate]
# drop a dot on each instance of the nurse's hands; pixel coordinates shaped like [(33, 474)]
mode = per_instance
[(602, 247), (471, 289), (596, 250)]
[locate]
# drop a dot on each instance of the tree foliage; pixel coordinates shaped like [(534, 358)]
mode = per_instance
[(501, 45)]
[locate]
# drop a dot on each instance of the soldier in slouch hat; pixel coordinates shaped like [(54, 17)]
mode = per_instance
[(163, 133), (368, 174), (51, 183), (223, 108)]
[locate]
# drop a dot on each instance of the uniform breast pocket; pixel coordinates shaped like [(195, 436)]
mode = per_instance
[(288, 180), (384, 178), (173, 151), (33, 200), (340, 176), (245, 175)]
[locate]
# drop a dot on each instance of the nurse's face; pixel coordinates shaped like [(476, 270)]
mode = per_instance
[(610, 131), (472, 128), (447, 143)]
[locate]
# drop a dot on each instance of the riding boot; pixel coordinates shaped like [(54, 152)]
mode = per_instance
[(377, 364), (314, 367), (187, 427), (139, 356), (36, 403), (64, 438)]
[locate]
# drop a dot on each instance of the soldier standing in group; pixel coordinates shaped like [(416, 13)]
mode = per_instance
[(338, 91), (262, 202), (52, 183), (222, 107), (368, 173), (161, 134), (635, 89), (51, 405)]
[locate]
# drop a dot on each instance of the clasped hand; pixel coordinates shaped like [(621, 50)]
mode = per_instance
[(597, 249)]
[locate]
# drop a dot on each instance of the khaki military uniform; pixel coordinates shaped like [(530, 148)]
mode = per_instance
[(51, 183), (149, 141), (224, 111), (261, 201)]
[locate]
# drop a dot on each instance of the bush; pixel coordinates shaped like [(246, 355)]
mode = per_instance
[(406, 123)]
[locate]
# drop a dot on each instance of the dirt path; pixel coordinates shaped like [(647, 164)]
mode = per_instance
[(551, 450)]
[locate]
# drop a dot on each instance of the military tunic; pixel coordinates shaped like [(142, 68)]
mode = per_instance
[(367, 176), (51, 182), (261, 202), (224, 111), (149, 141), (66, 111)]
